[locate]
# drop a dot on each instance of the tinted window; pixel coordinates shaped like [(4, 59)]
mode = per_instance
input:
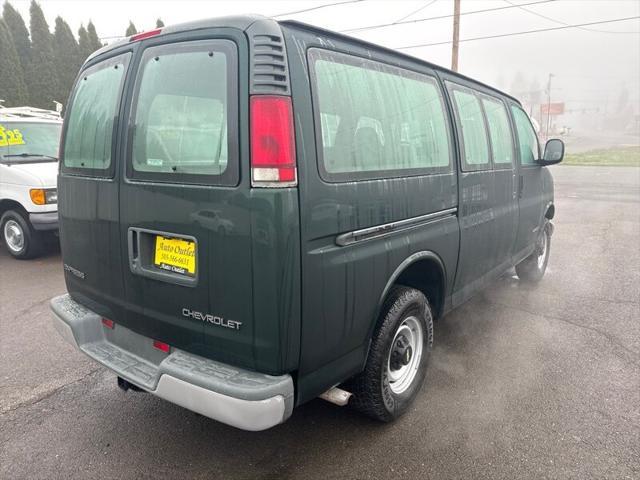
[(29, 138), (527, 138), (499, 131), (91, 119), (376, 119), (182, 111), (474, 135)]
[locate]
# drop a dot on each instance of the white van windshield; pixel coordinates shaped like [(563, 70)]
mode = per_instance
[(25, 142)]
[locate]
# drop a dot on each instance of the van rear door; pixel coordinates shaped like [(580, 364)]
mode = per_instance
[(89, 188), (185, 229)]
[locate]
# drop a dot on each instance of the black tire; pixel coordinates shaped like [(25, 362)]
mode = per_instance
[(532, 268), (373, 394), (32, 240)]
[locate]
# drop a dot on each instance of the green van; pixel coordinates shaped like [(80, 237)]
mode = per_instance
[(256, 213)]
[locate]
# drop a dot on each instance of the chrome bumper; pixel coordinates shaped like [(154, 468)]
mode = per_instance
[(237, 397)]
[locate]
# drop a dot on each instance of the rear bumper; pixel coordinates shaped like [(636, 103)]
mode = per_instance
[(44, 221), (237, 397)]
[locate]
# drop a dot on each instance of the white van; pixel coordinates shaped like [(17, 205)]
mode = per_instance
[(29, 140)]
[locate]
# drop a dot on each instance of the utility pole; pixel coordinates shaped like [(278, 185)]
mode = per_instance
[(549, 104), (456, 35)]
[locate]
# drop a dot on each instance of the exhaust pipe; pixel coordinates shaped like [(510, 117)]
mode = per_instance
[(337, 396), (125, 385)]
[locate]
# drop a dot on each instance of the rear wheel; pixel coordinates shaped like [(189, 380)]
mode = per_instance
[(532, 268), (398, 357), (21, 240)]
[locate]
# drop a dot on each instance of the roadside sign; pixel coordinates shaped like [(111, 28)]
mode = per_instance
[(552, 108)]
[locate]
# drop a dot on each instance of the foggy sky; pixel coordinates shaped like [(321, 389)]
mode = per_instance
[(589, 67)]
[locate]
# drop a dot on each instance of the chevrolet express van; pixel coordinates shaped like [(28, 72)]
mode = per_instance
[(256, 213)]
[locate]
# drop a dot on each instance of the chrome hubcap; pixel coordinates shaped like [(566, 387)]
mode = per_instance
[(542, 251), (405, 355), (13, 235)]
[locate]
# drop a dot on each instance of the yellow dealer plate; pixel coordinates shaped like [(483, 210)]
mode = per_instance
[(175, 255)]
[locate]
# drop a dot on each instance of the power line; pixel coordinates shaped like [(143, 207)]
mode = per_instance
[(318, 7), (559, 21), (439, 17), (416, 11), (404, 47)]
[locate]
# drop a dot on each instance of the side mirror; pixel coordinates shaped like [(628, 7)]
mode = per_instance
[(553, 152)]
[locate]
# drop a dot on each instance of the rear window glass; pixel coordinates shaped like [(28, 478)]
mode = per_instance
[(403, 131), (474, 134), (29, 140), (182, 112), (88, 142)]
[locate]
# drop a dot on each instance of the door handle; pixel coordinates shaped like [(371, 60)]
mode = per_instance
[(520, 185)]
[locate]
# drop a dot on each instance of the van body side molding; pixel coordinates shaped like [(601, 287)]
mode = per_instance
[(368, 233)]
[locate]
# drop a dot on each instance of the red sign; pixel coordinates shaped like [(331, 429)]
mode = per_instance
[(552, 108)]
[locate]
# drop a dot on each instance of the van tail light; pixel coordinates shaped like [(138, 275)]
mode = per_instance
[(108, 323), (143, 35), (273, 157), (165, 347)]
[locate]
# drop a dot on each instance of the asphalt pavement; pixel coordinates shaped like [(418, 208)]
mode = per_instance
[(524, 382)]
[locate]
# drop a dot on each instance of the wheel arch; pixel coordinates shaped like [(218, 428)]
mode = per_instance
[(424, 271), (410, 273), (7, 204)]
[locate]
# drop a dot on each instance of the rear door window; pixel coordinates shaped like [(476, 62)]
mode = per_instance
[(376, 120), (88, 145), (474, 135), (184, 109), (527, 138), (499, 132)]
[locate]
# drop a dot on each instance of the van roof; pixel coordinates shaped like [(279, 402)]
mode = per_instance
[(29, 114), (14, 119), (242, 22)]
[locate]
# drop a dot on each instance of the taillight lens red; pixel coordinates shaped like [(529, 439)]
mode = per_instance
[(161, 346), (143, 35), (108, 323), (273, 158)]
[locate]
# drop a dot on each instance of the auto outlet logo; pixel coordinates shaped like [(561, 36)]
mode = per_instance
[(213, 319)]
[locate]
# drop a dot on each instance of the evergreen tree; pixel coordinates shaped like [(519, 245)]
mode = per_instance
[(84, 46), (19, 32), (94, 41), (42, 79), (67, 58), (159, 23), (14, 90), (131, 29)]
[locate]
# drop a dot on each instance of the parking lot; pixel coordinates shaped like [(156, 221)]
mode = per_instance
[(524, 382)]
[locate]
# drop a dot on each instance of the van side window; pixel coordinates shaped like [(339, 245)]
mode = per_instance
[(527, 138), (474, 134), (499, 131), (88, 141), (329, 125), (376, 120), (181, 113)]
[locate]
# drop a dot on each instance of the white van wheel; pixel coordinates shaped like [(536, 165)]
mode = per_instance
[(21, 240)]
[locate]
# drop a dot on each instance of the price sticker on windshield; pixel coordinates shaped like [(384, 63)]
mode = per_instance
[(10, 137)]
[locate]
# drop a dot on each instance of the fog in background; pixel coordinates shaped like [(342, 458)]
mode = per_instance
[(596, 68)]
